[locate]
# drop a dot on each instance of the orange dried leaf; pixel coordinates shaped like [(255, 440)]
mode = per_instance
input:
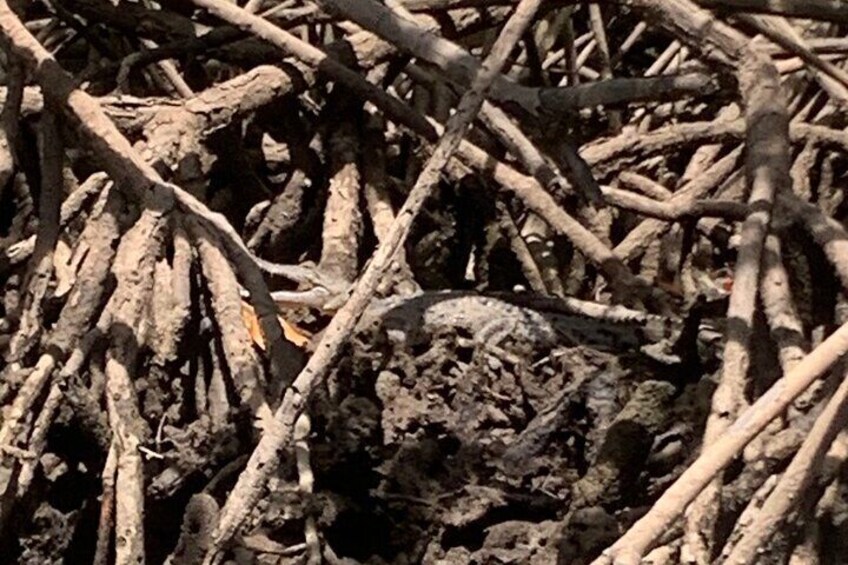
[(292, 333), (251, 322)]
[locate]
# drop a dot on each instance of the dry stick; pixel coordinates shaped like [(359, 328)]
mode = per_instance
[(81, 306), (767, 170), (107, 507), (85, 300), (785, 328), (797, 477), (169, 69), (342, 229), (767, 139), (546, 171), (172, 131), (696, 28), (628, 43), (38, 438), (781, 314), (245, 367), (830, 234), (24, 400), (570, 51), (9, 117), (265, 457), (305, 483), (529, 267), (50, 202), (378, 199), (646, 186), (753, 504), (783, 34), (797, 64), (664, 59), (181, 275), (706, 155), (656, 68), (603, 154), (216, 393), (597, 21), (538, 200), (316, 58), (629, 549), (133, 269), (673, 212), (163, 339), (828, 10)]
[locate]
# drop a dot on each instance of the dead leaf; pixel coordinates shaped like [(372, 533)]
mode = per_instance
[(294, 334), (291, 332), (251, 322)]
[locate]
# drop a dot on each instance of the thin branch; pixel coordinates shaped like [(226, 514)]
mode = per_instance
[(675, 211), (767, 167)]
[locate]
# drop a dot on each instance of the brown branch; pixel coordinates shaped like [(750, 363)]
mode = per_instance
[(646, 186), (779, 307), (86, 298), (596, 20), (80, 308), (107, 507), (529, 267), (173, 132), (9, 117), (542, 169), (245, 369), (38, 437), (50, 201), (317, 59), (342, 230), (378, 199), (10, 432), (767, 171), (305, 483), (830, 234), (674, 211), (826, 10), (134, 265), (526, 188)]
